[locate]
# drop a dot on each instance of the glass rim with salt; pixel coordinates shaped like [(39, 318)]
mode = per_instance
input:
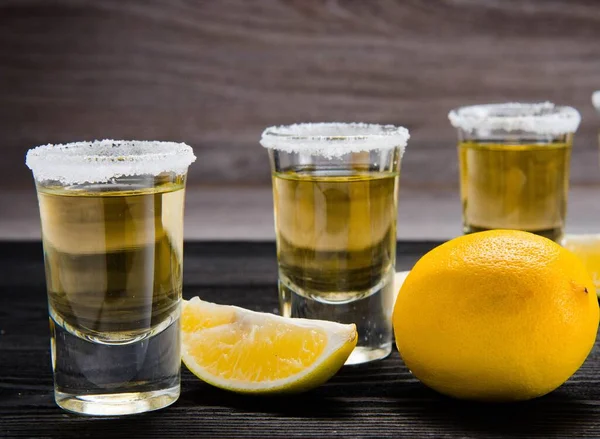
[(101, 161)]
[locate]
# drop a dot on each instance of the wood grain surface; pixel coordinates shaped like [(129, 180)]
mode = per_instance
[(216, 73), (378, 400)]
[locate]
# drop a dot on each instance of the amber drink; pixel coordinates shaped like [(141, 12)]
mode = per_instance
[(112, 228), (335, 192), (514, 166)]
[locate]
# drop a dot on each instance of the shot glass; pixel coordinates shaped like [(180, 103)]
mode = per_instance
[(514, 166), (586, 243), (335, 189), (112, 230)]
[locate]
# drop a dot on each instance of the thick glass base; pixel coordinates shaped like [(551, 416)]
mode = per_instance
[(370, 310), (117, 403), (106, 375), (362, 354)]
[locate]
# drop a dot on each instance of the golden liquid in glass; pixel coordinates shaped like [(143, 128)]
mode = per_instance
[(515, 186), (336, 231), (113, 259)]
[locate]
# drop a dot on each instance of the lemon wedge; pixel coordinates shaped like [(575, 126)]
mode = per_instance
[(246, 351), (399, 279)]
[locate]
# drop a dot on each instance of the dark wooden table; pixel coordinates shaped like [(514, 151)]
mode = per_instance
[(376, 400)]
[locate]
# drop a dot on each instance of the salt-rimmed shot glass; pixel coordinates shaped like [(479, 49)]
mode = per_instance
[(514, 166), (585, 242), (112, 230), (335, 189)]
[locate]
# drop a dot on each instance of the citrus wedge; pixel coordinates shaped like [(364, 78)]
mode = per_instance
[(252, 352), (399, 279)]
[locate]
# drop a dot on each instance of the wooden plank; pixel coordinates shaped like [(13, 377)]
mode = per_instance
[(214, 74), (376, 400)]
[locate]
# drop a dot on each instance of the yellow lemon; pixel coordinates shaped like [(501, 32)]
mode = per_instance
[(501, 315), (252, 352)]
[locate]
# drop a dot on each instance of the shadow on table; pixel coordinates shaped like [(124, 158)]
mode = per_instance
[(558, 414), (418, 409), (314, 404)]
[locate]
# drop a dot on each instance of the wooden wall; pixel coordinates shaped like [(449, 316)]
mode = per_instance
[(215, 73)]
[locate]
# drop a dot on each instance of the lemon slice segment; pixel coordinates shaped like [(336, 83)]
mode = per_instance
[(252, 352)]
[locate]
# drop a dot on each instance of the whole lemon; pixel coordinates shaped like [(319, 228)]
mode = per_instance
[(501, 315)]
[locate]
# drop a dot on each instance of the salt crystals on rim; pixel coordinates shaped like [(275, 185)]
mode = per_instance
[(539, 118), (334, 139), (103, 160)]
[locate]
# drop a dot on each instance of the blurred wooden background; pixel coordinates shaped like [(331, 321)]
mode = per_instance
[(215, 73)]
